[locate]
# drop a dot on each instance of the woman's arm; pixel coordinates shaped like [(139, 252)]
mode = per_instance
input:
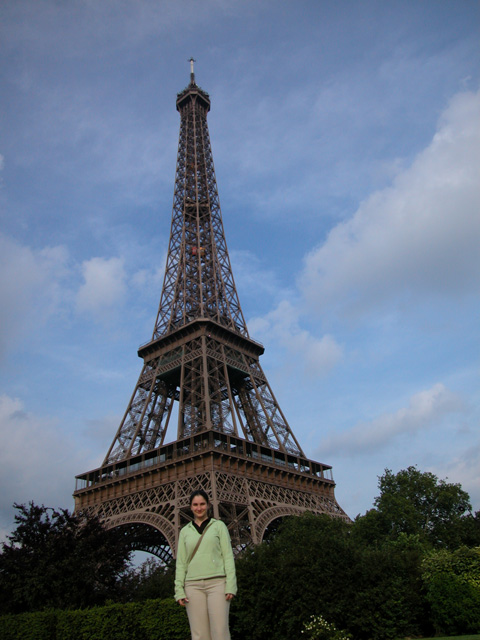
[(180, 569), (229, 562)]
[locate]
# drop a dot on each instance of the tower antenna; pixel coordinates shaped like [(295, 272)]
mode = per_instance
[(192, 72)]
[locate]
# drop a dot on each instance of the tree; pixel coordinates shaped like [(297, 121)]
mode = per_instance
[(298, 572), (418, 503), (315, 565), (55, 559), (452, 581), (389, 600), (151, 580)]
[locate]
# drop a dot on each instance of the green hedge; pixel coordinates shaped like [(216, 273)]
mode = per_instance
[(149, 620), (31, 626)]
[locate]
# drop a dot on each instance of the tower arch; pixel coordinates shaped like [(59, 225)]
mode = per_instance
[(147, 532), (273, 514)]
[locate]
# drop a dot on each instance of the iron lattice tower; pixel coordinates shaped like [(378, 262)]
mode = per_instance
[(202, 369)]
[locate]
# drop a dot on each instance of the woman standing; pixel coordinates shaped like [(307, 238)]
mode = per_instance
[(205, 579)]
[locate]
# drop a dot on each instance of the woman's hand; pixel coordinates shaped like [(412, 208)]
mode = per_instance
[(229, 596), (183, 601)]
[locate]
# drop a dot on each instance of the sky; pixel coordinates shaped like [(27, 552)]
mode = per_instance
[(346, 142)]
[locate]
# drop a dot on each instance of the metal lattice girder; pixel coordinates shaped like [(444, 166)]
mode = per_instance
[(216, 377), (202, 367), (247, 497), (198, 276)]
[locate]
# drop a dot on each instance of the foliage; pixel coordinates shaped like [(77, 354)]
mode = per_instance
[(470, 530), (389, 602), (316, 566), (417, 503), (164, 620), (476, 636), (319, 629), (151, 580), (452, 581), (397, 571), (28, 626), (280, 582), (55, 559), (150, 620)]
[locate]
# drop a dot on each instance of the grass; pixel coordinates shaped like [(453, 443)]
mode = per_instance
[(474, 637)]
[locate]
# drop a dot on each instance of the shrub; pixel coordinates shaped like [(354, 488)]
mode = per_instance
[(149, 620), (28, 626), (315, 566), (319, 629), (452, 581)]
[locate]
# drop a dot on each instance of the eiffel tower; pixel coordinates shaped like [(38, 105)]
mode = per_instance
[(201, 370)]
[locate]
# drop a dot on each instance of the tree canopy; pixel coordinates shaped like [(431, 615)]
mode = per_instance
[(378, 578), (417, 503), (315, 566), (56, 559)]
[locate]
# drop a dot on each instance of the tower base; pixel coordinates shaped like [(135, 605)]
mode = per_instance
[(249, 485)]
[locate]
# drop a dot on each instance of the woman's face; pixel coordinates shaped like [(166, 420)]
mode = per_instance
[(199, 507)]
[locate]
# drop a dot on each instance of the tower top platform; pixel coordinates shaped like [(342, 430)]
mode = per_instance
[(193, 92)]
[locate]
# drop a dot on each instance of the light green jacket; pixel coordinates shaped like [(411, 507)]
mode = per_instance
[(214, 557)]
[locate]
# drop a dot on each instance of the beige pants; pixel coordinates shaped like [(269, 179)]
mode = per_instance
[(207, 609)]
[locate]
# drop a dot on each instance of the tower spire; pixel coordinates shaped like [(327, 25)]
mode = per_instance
[(201, 370), (192, 73)]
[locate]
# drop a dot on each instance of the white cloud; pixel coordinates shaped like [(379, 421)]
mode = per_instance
[(464, 468), (31, 448), (317, 355), (29, 287), (146, 280), (39, 457), (104, 286), (420, 237), (425, 408)]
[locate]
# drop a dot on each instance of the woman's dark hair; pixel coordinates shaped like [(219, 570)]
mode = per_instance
[(199, 492)]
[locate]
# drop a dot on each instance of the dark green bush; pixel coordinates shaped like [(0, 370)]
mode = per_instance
[(172, 624), (116, 621), (149, 620), (28, 626), (452, 580), (316, 566)]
